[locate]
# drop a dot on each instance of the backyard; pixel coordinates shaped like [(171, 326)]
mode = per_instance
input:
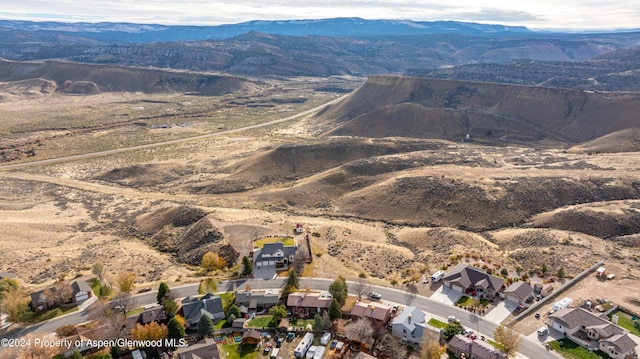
[(627, 322), (287, 241), (238, 351), (571, 350), (261, 321)]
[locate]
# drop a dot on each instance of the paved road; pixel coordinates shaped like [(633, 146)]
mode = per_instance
[(528, 349)]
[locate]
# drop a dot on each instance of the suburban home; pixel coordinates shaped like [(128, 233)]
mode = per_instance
[(251, 337), (303, 304), (272, 257), (409, 325), (594, 332), (472, 280), (204, 349), (60, 293), (194, 308), (374, 311), (518, 293), (463, 347), (153, 314), (256, 300)]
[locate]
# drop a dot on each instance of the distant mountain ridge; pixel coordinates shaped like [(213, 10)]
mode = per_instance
[(344, 27)]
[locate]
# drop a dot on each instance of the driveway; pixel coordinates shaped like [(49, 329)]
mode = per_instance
[(551, 335), (446, 295), (500, 312)]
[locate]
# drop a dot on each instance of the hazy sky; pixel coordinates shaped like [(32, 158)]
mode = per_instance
[(535, 14)]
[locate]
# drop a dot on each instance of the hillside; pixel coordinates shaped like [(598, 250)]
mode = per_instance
[(488, 112), (91, 79)]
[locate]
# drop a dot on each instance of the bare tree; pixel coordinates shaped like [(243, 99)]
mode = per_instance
[(361, 287), (100, 271), (431, 347), (394, 348), (15, 304), (30, 351), (103, 313), (299, 261), (124, 302), (508, 339), (360, 330)]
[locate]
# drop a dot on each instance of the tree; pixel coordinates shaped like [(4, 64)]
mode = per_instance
[(339, 290), (15, 304), (508, 339), (150, 331), (175, 329), (163, 292), (278, 312), (247, 266), (64, 331), (299, 261), (30, 351), (361, 287), (292, 280), (560, 273), (212, 261), (335, 310), (317, 323), (170, 308), (208, 285), (233, 313), (431, 348), (379, 330), (125, 281), (61, 292), (7, 285), (124, 302), (394, 348), (360, 330), (451, 330), (99, 270), (113, 323), (205, 326), (75, 355)]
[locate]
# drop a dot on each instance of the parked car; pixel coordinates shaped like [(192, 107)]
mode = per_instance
[(333, 344), (467, 332), (537, 315), (543, 330)]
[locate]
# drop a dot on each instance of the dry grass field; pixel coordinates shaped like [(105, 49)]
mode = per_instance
[(380, 206)]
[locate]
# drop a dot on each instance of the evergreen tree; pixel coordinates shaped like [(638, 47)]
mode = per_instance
[(339, 290), (163, 292), (176, 330), (292, 280), (335, 310), (205, 326), (247, 266), (233, 312)]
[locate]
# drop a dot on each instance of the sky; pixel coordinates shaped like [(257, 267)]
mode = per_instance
[(578, 15)]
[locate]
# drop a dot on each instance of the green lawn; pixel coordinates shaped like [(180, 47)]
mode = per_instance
[(261, 321), (95, 287), (221, 324), (238, 351), (624, 320), (436, 323), (467, 301), (135, 311), (297, 322), (50, 314), (287, 241), (571, 350)]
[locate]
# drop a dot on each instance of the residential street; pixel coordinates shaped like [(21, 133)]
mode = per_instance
[(432, 307)]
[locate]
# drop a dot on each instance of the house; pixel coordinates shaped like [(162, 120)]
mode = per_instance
[(409, 325), (204, 349), (61, 293), (374, 311), (251, 337), (303, 304), (257, 299), (194, 308), (518, 293), (238, 323), (468, 279), (463, 347), (153, 314), (298, 229), (592, 331), (272, 257)]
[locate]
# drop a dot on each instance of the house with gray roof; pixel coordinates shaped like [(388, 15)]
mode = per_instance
[(461, 346), (61, 293), (271, 258), (194, 308), (204, 349), (518, 292), (467, 279), (258, 300), (594, 332), (409, 325)]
